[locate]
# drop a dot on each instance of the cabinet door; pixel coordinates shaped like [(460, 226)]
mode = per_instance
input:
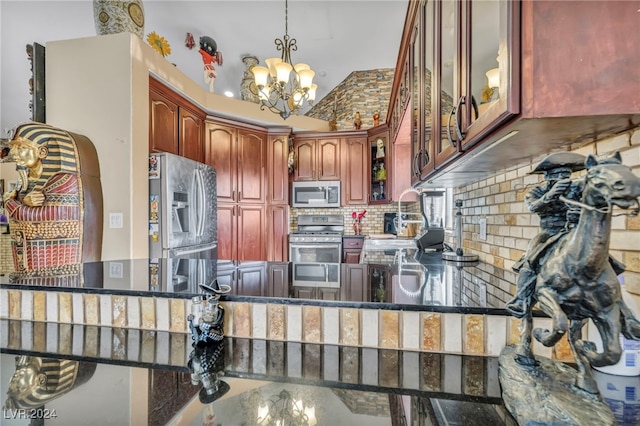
[(251, 232), (355, 283), (445, 81), (489, 71), (191, 135), (220, 153), (304, 292), (355, 157), (351, 256), (380, 168), (277, 233), (251, 166), (278, 279), (227, 277), (277, 170), (163, 124), (252, 280), (305, 159), (227, 233), (328, 159), (328, 293)]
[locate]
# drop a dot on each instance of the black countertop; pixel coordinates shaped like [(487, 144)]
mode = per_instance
[(388, 279), (133, 377), (344, 385)]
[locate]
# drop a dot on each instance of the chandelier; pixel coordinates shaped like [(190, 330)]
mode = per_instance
[(282, 86), (284, 409)]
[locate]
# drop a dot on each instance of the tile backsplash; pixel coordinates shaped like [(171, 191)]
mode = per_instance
[(510, 226)]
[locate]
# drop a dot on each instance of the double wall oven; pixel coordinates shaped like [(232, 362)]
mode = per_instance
[(315, 250)]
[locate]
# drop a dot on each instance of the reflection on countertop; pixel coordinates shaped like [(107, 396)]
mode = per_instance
[(337, 384), (390, 277)]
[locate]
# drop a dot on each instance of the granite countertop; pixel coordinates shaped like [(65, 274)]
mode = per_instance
[(345, 385), (386, 279)]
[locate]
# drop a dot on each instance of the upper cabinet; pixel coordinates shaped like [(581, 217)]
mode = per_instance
[(454, 47), (175, 124), (316, 158), (379, 167), (498, 84), (354, 180), (239, 157)]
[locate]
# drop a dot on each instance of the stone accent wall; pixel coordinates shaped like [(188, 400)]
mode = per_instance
[(362, 91), (510, 226)]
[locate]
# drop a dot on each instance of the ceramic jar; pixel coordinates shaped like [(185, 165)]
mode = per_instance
[(112, 17)]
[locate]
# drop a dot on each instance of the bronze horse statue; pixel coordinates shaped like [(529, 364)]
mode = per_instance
[(576, 282)]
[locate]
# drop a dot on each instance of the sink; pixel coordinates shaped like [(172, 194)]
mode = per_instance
[(389, 243)]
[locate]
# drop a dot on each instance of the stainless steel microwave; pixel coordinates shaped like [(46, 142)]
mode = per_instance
[(324, 193)]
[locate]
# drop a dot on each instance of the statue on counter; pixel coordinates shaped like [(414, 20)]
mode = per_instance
[(568, 272), (57, 197), (206, 360)]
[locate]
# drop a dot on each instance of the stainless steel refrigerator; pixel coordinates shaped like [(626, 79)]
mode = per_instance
[(182, 208)]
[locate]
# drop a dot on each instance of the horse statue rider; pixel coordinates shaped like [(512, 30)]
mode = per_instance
[(556, 219)]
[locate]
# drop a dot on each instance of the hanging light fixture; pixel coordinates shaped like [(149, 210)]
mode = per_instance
[(284, 409), (282, 86)]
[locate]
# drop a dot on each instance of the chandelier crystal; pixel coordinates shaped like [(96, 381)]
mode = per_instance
[(283, 87)]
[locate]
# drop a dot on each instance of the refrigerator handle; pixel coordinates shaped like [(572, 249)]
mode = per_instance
[(201, 202)]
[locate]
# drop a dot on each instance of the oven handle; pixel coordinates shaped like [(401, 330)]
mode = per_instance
[(315, 246)]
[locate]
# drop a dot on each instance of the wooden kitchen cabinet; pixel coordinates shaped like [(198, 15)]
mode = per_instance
[(316, 293), (316, 158), (175, 124), (355, 283), (277, 233), (352, 248), (245, 278), (241, 232), (278, 279), (544, 97), (277, 168), (239, 157), (248, 228), (379, 167), (355, 159)]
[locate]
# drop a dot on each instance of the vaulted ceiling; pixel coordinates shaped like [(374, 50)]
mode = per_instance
[(335, 37)]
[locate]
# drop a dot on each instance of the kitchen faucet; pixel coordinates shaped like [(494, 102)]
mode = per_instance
[(401, 223)]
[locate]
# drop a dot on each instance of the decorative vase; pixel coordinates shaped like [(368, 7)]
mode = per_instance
[(248, 89), (112, 17), (357, 228)]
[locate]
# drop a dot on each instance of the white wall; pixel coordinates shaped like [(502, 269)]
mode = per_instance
[(25, 22)]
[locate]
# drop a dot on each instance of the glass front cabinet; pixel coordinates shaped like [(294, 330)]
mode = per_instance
[(462, 55)]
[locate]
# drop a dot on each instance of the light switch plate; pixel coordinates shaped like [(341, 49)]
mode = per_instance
[(115, 270), (483, 229), (115, 220)]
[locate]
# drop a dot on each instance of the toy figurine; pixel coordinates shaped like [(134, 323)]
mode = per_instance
[(206, 361), (358, 121)]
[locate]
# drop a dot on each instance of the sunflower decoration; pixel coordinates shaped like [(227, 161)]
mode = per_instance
[(159, 43)]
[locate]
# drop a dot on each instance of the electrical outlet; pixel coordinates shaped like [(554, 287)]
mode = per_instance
[(115, 270), (483, 229), (115, 220)]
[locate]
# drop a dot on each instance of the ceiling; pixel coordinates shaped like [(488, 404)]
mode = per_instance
[(333, 37)]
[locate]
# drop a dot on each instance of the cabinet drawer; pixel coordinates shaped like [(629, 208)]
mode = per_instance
[(352, 242)]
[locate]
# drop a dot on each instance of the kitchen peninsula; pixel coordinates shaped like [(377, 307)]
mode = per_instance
[(418, 304)]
